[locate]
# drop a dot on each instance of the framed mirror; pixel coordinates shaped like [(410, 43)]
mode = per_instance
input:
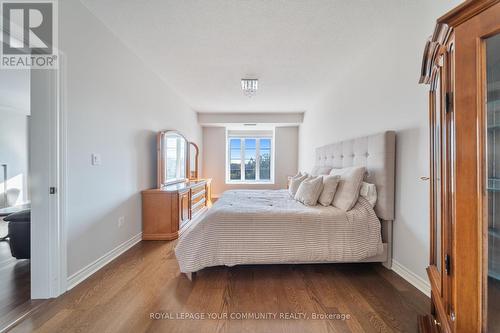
[(193, 160), (172, 158)]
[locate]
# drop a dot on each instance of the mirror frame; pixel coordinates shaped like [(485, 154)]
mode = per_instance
[(193, 174), (161, 160)]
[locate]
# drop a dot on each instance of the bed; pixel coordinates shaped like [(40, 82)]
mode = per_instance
[(270, 227)]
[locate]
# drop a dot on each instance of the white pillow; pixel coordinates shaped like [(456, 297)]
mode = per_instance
[(309, 191), (369, 192), (330, 184), (320, 170), (295, 183), (348, 189)]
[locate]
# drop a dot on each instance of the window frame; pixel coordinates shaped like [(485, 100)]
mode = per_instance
[(242, 179)]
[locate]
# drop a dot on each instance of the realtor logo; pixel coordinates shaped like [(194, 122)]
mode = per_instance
[(29, 34)]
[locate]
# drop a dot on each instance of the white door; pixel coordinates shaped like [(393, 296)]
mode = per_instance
[(48, 248)]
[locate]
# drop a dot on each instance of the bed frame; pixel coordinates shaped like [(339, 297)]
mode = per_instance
[(378, 154)]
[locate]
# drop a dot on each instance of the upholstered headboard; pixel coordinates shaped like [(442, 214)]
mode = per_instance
[(378, 154)]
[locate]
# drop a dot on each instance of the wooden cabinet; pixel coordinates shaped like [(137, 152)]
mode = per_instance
[(462, 67), (184, 209), (167, 212)]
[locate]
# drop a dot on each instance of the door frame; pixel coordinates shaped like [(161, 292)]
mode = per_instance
[(49, 233)]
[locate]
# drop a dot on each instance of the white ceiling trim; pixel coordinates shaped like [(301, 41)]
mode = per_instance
[(275, 119)]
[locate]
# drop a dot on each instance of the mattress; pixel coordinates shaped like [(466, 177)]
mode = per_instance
[(270, 227)]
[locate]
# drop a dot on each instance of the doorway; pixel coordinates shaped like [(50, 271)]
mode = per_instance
[(32, 179), (15, 216)]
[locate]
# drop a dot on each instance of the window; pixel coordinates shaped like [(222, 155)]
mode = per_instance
[(250, 158)]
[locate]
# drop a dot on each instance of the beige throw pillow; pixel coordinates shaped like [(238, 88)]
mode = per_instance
[(330, 184), (369, 192), (295, 183), (348, 189), (309, 191)]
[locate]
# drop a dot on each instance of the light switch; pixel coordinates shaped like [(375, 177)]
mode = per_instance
[(96, 159)]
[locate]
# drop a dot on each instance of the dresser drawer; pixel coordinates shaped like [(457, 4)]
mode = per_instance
[(198, 206), (197, 189), (195, 198)]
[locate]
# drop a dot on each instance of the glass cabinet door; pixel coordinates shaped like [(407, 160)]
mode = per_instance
[(493, 182), (442, 189), (436, 175), (437, 139)]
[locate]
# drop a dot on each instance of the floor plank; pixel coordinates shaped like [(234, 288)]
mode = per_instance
[(146, 280), (15, 289)]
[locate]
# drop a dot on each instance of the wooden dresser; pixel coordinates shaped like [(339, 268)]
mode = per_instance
[(167, 211)]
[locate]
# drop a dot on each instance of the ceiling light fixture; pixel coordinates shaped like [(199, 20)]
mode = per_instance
[(249, 86)]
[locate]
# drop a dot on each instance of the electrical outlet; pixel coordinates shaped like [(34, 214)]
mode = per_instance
[(96, 159), (121, 221)]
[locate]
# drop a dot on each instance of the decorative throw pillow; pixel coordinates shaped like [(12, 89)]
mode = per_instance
[(348, 189), (320, 170), (369, 192), (330, 184), (295, 183), (309, 191)]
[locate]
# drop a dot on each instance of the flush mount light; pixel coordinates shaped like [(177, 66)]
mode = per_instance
[(249, 86)]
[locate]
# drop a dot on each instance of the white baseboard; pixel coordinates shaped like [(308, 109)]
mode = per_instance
[(93, 267), (421, 284)]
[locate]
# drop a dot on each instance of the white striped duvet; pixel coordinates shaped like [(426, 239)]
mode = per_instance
[(269, 227)]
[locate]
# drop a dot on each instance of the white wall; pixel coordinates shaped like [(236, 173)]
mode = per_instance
[(14, 112), (14, 153), (15, 90), (378, 91), (115, 106), (214, 143)]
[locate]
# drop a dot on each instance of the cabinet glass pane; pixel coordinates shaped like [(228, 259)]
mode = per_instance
[(493, 181), (437, 174)]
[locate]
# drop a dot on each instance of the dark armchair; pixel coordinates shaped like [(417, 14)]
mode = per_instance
[(20, 234)]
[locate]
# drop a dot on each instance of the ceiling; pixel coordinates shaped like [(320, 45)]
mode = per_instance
[(296, 48)]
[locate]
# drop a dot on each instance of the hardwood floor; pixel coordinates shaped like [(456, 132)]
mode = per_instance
[(145, 282), (14, 287)]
